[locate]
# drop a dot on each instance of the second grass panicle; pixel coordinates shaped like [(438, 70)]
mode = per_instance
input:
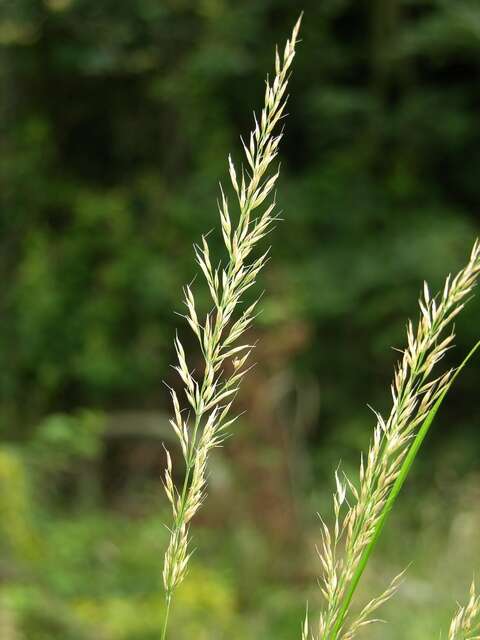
[(361, 509)]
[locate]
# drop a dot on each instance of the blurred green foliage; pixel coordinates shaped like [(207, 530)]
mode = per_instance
[(116, 118)]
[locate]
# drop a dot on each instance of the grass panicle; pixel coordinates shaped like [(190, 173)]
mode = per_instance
[(202, 422), (360, 509)]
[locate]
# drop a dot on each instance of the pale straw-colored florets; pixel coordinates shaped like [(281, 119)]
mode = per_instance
[(465, 624), (203, 423), (358, 508)]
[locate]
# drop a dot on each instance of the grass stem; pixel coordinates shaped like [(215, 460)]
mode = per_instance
[(165, 622)]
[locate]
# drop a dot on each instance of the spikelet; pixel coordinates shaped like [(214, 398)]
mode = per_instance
[(358, 508), (465, 624), (210, 395)]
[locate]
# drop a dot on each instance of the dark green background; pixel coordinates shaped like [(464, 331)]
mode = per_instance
[(116, 120)]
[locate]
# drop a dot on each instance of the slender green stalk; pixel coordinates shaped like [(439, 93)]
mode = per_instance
[(167, 613), (404, 471)]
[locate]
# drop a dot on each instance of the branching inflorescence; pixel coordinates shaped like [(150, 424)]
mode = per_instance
[(203, 424), (360, 509)]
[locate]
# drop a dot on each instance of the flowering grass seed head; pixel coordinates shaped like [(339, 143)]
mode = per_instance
[(209, 395), (360, 509)]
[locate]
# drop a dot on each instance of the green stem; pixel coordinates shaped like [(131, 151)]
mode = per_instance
[(165, 622), (397, 486)]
